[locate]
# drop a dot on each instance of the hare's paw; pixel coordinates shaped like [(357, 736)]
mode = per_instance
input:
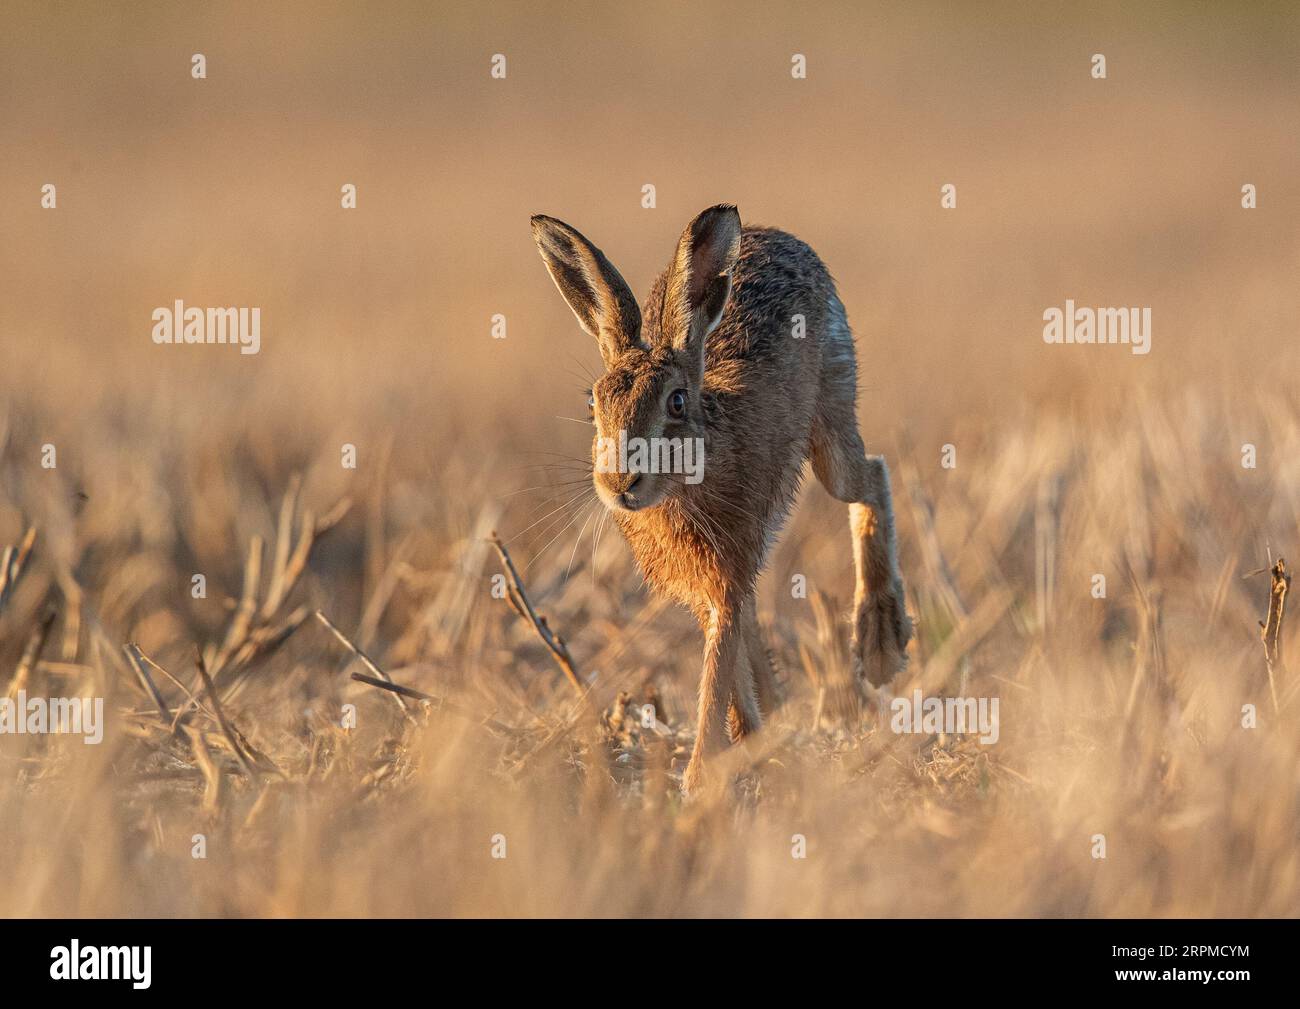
[(881, 631), (693, 777)]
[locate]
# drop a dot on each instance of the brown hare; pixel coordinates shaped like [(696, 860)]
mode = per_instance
[(722, 355)]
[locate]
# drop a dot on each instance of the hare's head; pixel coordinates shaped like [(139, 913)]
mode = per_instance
[(647, 407)]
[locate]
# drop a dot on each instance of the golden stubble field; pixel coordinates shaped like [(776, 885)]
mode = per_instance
[(1119, 716)]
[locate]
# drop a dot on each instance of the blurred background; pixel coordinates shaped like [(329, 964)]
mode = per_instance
[(376, 331), (225, 191)]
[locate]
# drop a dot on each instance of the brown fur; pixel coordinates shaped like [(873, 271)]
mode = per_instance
[(718, 326)]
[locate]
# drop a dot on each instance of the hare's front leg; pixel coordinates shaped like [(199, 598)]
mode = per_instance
[(881, 626), (723, 641)]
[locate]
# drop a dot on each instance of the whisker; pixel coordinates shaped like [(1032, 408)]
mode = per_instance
[(576, 513), (544, 517), (541, 486), (567, 463), (557, 455), (717, 498), (688, 512), (571, 508), (595, 544), (590, 378), (716, 535), (578, 542), (733, 507)]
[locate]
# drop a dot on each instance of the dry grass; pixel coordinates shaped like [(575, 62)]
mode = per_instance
[(1119, 716)]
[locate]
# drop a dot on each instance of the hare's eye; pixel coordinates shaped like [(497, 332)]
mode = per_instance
[(677, 404)]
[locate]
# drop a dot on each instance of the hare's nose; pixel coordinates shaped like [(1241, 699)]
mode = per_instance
[(625, 499)]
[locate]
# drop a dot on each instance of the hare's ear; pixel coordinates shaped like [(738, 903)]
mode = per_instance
[(699, 279), (588, 281)]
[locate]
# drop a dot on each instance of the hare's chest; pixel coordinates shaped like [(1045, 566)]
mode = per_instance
[(676, 557)]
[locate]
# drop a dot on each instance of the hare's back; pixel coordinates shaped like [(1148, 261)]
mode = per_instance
[(781, 295)]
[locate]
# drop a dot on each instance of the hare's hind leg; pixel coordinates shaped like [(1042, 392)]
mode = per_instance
[(744, 715), (881, 626), (751, 690), (760, 661)]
